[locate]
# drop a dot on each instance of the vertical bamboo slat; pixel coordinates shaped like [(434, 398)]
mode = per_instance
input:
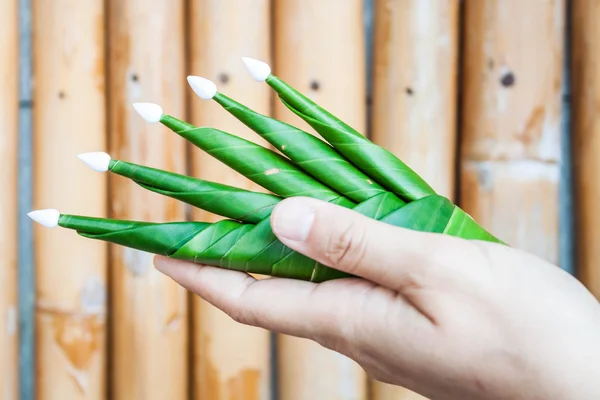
[(231, 361), (414, 98), (414, 92), (149, 358), (320, 50), (586, 132), (586, 148), (8, 199), (511, 120), (69, 118)]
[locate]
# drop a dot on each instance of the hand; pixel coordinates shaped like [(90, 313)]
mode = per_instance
[(442, 316)]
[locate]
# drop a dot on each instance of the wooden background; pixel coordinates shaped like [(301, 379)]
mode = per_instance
[(494, 102)]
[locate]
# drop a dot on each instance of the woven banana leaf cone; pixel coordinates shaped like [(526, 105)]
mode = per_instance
[(344, 168)]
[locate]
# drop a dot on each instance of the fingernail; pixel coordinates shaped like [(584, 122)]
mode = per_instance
[(293, 219)]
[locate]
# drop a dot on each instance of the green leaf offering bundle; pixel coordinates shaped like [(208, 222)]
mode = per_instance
[(345, 168)]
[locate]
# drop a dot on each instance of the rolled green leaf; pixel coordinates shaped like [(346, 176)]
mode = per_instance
[(376, 162), (227, 201), (308, 152), (254, 248), (156, 238), (263, 166), (226, 244)]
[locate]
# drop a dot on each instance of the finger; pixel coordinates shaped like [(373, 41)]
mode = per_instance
[(348, 241), (292, 307)]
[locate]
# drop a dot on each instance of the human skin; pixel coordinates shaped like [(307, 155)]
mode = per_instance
[(442, 316)]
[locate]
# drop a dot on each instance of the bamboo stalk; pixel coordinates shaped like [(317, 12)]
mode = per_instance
[(511, 115), (69, 118), (149, 310), (586, 127), (414, 88), (305, 35), (8, 200), (231, 361), (414, 98)]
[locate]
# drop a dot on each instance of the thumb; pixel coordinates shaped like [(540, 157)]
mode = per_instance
[(351, 242)]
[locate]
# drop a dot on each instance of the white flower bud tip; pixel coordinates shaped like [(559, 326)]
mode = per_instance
[(259, 70), (49, 218), (204, 88), (98, 160), (149, 111)]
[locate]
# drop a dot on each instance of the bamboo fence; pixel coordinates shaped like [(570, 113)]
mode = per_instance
[(69, 70), (8, 200), (231, 360), (149, 356), (305, 35), (469, 94)]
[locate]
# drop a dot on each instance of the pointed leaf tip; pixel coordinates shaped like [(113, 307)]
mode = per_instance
[(259, 70), (149, 111), (98, 160), (204, 88), (48, 218)]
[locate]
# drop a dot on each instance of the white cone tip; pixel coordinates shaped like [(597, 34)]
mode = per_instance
[(259, 70), (204, 88), (49, 218), (98, 160), (149, 111)]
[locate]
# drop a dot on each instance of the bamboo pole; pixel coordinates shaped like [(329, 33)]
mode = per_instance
[(231, 361), (8, 199), (149, 311), (414, 98), (414, 88), (69, 118), (586, 128), (320, 50), (511, 120)]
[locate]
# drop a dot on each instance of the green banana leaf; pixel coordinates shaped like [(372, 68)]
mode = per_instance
[(308, 152), (373, 160), (253, 207), (253, 248), (263, 166), (346, 169), (227, 201)]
